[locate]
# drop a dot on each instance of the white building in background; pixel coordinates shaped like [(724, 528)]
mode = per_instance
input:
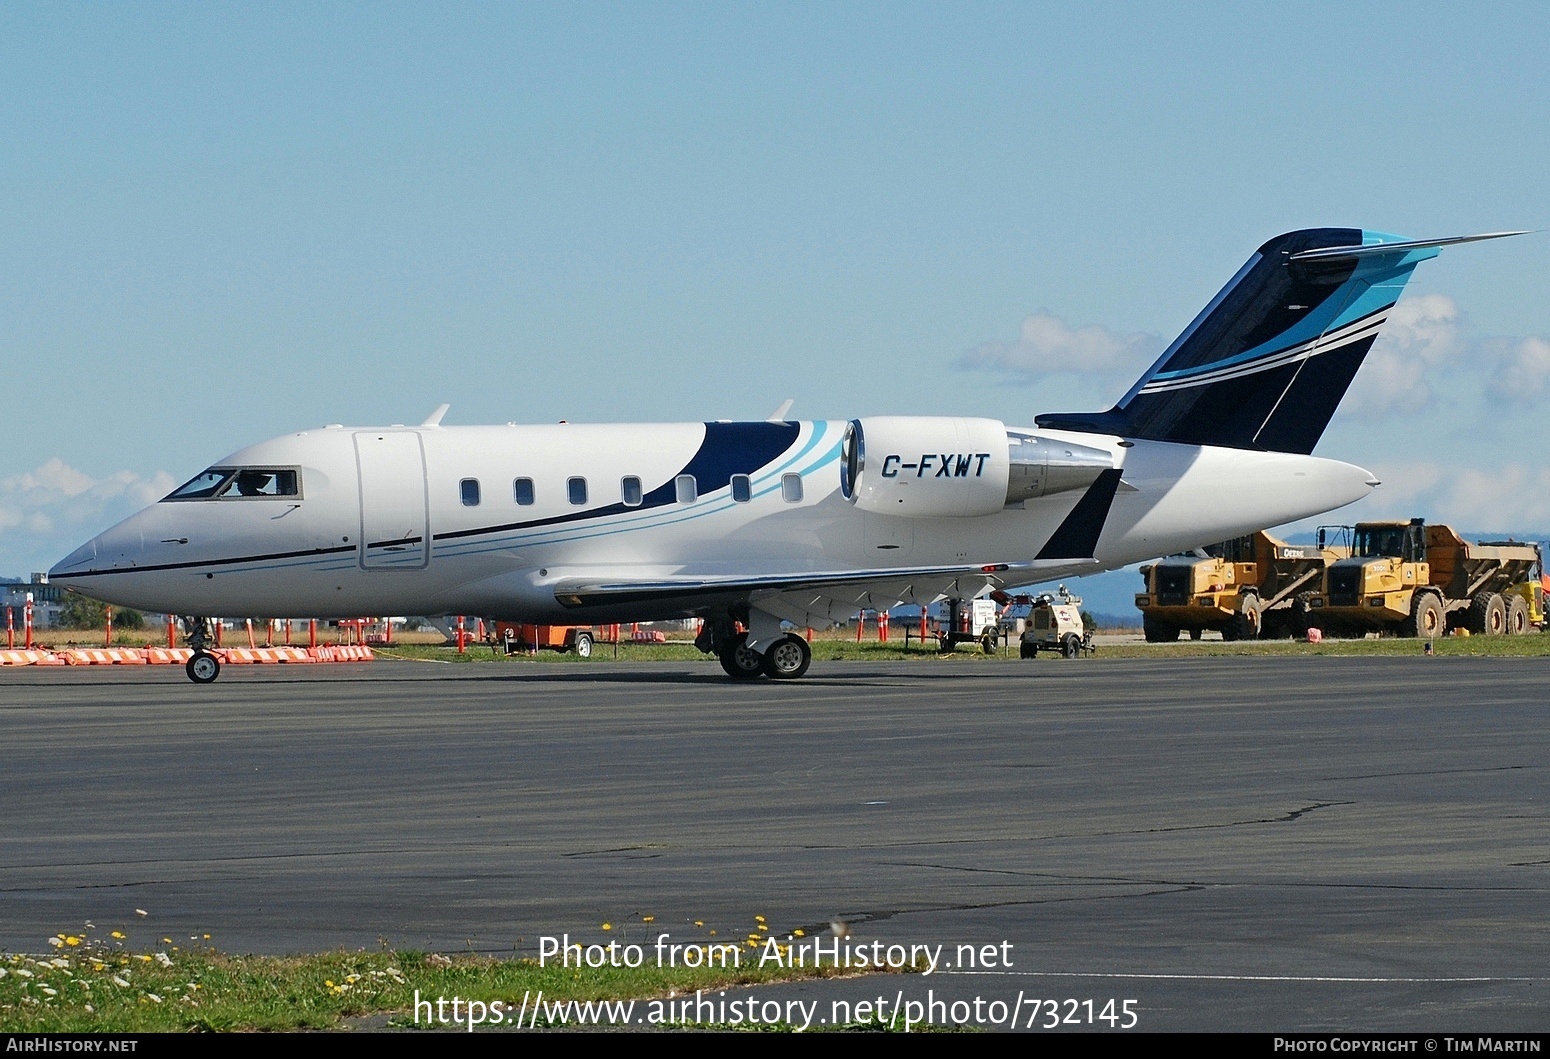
[(46, 601)]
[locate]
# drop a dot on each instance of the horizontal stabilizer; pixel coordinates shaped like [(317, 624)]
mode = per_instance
[(1389, 248)]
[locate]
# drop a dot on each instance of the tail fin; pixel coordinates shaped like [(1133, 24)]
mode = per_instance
[(1266, 363)]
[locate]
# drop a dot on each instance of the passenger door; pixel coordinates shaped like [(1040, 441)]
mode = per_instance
[(395, 521)]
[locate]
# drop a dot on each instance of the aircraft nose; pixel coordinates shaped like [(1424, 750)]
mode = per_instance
[(120, 548), (80, 559)]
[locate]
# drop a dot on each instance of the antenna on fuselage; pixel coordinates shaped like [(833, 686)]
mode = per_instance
[(779, 415), (434, 419)]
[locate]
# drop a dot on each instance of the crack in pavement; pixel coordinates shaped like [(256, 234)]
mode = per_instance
[(1436, 772)]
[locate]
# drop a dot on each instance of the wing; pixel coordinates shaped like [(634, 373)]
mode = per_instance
[(818, 597)]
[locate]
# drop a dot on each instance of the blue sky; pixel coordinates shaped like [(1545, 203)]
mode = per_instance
[(225, 222)]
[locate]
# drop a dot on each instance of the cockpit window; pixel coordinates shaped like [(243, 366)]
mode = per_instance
[(227, 483)]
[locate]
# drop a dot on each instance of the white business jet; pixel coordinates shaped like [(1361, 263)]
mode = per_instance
[(751, 525)]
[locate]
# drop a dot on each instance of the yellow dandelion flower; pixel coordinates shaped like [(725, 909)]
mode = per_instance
[(72, 941), (608, 926), (799, 932), (648, 919), (699, 922), (118, 934)]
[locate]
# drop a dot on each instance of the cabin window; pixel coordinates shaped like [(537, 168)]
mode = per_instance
[(469, 488), (791, 488), (232, 483), (686, 488), (630, 491), (742, 488), (522, 490), (576, 489)]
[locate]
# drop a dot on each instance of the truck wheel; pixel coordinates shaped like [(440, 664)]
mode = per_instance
[(1517, 616), (1302, 615), (1246, 623), (1158, 631), (583, 645), (1425, 616), (739, 661), (1487, 614), (1027, 650), (1071, 646), (1195, 633)]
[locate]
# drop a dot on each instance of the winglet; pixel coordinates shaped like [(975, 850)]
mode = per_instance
[(434, 419), (779, 415)]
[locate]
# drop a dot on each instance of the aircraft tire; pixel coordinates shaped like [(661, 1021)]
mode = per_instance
[(739, 662), (788, 658), (203, 668)]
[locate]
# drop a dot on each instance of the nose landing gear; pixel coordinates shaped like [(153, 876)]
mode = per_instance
[(203, 667)]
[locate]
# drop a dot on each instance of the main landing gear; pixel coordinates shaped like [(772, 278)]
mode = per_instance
[(786, 659), (203, 667)]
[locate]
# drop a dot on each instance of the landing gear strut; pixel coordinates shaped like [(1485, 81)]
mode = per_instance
[(203, 667)]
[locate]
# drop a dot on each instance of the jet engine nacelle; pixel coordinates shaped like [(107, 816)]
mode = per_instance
[(934, 466)]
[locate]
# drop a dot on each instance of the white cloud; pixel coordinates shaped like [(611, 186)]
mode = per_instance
[(46, 512), (1522, 372), (1047, 345), (1423, 335), (1509, 497)]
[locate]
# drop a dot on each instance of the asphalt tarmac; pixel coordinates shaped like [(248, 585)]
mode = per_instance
[(1307, 843)]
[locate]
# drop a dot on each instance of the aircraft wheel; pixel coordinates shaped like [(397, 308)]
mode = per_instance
[(584, 645), (203, 668), (788, 659), (739, 662)]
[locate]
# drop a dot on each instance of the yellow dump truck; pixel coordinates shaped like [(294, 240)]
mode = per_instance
[(1420, 580), (1246, 587)]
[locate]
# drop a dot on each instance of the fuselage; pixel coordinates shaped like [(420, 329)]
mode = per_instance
[(491, 520)]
